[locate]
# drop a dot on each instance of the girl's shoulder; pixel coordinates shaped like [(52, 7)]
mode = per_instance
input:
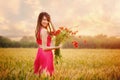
[(43, 31)]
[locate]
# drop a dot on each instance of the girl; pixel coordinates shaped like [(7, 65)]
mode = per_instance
[(43, 33)]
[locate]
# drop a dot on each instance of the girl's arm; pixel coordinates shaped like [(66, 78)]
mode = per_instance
[(44, 41)]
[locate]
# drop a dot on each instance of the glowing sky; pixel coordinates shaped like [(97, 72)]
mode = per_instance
[(92, 17)]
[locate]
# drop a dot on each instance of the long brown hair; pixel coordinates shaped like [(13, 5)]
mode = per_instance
[(50, 27)]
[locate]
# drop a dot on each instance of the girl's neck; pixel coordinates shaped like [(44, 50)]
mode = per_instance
[(44, 27)]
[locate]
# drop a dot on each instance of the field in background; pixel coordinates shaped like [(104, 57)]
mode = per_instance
[(77, 64)]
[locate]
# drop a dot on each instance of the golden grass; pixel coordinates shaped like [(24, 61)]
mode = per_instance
[(77, 64)]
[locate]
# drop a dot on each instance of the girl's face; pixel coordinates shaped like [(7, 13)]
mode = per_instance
[(44, 22)]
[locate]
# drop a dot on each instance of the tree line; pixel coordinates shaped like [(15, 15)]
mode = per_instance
[(98, 41)]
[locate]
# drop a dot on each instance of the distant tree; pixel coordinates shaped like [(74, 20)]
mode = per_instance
[(5, 42)]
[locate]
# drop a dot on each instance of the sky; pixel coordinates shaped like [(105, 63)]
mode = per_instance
[(90, 17)]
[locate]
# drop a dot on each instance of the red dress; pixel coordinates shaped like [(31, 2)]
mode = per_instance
[(44, 59)]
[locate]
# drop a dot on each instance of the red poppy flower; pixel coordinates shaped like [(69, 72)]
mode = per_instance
[(57, 32), (75, 44), (61, 28)]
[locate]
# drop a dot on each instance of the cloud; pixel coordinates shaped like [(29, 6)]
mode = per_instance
[(11, 7), (19, 17)]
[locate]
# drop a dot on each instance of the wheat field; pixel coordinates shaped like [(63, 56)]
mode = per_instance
[(76, 64)]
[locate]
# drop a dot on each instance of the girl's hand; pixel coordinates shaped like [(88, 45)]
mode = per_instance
[(60, 46)]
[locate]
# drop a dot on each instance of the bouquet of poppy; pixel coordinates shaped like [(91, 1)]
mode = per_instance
[(61, 35)]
